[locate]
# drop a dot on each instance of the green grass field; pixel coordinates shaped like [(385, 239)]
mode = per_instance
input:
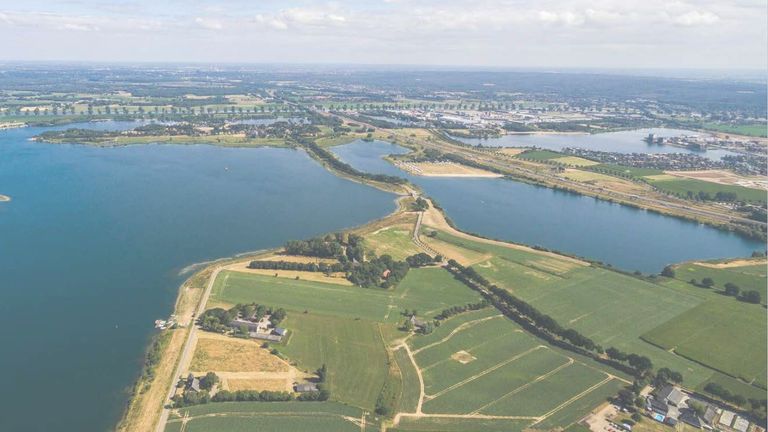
[(752, 129), (539, 155), (616, 309), (435, 424), (352, 350), (269, 416), (409, 396), (682, 186), (428, 290), (394, 241), (624, 170), (727, 335), (752, 277)]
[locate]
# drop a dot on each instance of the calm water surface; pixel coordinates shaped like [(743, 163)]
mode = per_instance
[(93, 243), (620, 142), (625, 237)]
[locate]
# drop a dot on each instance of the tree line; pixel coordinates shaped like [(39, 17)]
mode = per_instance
[(218, 320)]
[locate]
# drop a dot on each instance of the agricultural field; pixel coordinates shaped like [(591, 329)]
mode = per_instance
[(269, 416), (751, 276), (481, 364), (428, 290), (620, 310), (539, 155), (352, 350), (752, 129), (575, 161), (682, 186), (706, 335)]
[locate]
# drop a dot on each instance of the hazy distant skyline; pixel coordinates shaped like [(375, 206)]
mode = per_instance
[(495, 33)]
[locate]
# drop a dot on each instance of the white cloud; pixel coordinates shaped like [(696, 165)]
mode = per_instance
[(210, 24), (694, 18)]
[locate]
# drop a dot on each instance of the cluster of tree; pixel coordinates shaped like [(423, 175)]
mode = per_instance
[(345, 247), (218, 319), (540, 323), (731, 289), (420, 204), (252, 396), (328, 157), (298, 266), (382, 271), (455, 310), (420, 260)]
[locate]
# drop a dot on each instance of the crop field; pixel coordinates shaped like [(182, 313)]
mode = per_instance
[(269, 416), (352, 350), (428, 290), (410, 391), (443, 424), (481, 363), (706, 335), (615, 310)]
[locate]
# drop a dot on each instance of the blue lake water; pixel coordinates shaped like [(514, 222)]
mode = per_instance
[(624, 237), (93, 242), (621, 142)]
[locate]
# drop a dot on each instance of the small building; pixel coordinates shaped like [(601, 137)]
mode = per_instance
[(726, 419), (192, 384), (659, 406), (385, 274), (672, 395), (741, 424), (280, 331), (689, 416), (418, 323), (305, 388)]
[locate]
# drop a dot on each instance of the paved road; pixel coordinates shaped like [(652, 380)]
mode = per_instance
[(186, 352)]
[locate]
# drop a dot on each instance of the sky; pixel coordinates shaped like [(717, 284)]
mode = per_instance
[(664, 34)]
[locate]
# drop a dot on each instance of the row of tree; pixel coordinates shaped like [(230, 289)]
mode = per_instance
[(455, 310), (298, 266)]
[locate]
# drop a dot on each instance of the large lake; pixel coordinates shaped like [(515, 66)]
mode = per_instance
[(94, 240), (624, 237), (630, 141)]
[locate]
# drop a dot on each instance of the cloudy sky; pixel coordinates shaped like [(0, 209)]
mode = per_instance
[(721, 34)]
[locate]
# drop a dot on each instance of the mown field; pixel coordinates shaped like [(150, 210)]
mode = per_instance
[(268, 416), (394, 241)]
